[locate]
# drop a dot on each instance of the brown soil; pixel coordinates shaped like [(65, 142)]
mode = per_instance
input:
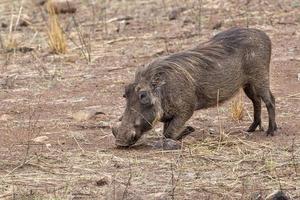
[(40, 92)]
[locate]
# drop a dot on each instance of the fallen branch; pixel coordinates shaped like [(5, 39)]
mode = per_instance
[(150, 38)]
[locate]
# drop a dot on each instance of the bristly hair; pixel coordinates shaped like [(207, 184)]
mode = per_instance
[(204, 56), (233, 38)]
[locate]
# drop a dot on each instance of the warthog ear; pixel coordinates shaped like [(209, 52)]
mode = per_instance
[(157, 81), (128, 90), (156, 86), (144, 98)]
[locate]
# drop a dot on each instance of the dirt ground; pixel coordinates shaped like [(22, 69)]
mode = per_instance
[(40, 92)]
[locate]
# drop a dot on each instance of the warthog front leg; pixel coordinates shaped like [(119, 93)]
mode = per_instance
[(175, 129)]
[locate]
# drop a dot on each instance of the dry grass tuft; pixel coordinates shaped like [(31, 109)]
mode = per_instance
[(57, 40), (10, 43), (237, 109)]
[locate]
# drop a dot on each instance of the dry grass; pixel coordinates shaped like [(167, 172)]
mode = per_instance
[(10, 43), (237, 109), (57, 41), (236, 168)]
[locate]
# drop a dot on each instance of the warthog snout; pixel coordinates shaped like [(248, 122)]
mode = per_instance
[(125, 136), (142, 110)]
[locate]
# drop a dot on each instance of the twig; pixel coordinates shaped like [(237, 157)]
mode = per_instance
[(1, 42), (121, 39), (150, 38), (293, 156), (166, 45), (127, 184), (44, 73), (293, 95), (78, 144), (164, 5), (19, 166), (119, 68), (31, 128), (19, 16), (6, 195), (115, 19), (247, 13), (173, 183), (85, 46), (278, 179), (199, 20), (114, 185), (249, 114), (104, 18), (220, 122)]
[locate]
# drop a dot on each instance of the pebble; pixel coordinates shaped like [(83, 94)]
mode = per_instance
[(63, 6), (40, 139), (84, 115), (167, 144), (277, 195)]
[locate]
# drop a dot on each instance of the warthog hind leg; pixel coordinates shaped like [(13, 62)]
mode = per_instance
[(256, 101)]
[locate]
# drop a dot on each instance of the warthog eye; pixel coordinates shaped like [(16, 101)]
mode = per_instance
[(144, 98)]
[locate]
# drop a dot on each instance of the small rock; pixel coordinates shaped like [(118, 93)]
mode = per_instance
[(39, 2), (125, 18), (189, 139), (79, 136), (211, 131), (256, 196), (120, 118), (217, 25), (191, 175), (4, 25), (295, 4), (24, 21), (24, 49), (48, 145), (117, 162), (158, 129), (187, 21), (215, 22), (175, 13), (122, 18), (62, 6), (8, 82), (84, 115), (167, 144), (40, 139), (47, 133), (122, 25), (5, 117), (103, 181), (103, 124), (277, 195)]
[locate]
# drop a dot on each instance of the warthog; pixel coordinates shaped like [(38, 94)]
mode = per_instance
[(171, 88)]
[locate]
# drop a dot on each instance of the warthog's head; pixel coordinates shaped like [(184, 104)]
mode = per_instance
[(143, 109)]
